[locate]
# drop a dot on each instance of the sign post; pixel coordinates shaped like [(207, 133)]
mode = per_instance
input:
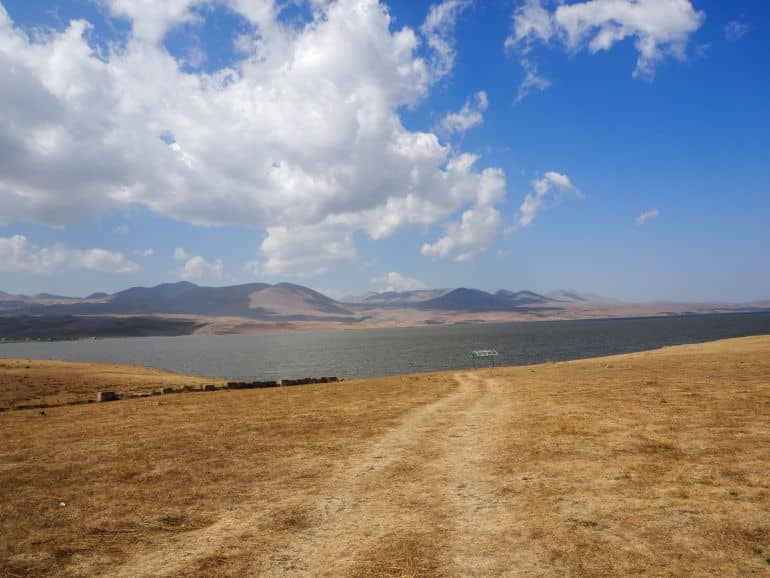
[(480, 354)]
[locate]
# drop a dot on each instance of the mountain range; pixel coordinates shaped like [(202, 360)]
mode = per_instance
[(265, 301), (258, 306), (254, 300)]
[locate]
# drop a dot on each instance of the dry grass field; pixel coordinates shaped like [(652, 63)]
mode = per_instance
[(31, 381), (654, 464)]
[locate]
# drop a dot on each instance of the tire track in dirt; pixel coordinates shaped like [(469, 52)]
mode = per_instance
[(482, 540), (438, 478), (312, 551), (373, 499)]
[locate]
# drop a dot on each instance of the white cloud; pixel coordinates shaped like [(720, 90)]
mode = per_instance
[(549, 189), (736, 29), (463, 240), (197, 269), (470, 115), (394, 281), (531, 23), (144, 252), (438, 29), (151, 20), (17, 254), (533, 80), (180, 254), (303, 251), (647, 216), (307, 123), (659, 28), (121, 229)]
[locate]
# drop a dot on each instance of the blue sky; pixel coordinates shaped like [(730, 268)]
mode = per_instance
[(360, 145)]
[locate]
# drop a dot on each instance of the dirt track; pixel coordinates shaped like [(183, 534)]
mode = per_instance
[(434, 462)]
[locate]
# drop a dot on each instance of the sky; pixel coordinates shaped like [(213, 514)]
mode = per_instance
[(618, 147)]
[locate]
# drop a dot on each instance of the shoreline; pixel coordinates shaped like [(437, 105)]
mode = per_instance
[(204, 328), (135, 380)]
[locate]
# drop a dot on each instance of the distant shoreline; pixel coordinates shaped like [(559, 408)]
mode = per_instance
[(48, 329)]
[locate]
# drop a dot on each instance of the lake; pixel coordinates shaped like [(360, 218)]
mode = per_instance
[(376, 352)]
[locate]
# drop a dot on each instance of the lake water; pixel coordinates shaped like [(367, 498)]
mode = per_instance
[(375, 352)]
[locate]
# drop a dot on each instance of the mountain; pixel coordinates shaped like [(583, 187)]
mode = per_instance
[(394, 298), (569, 295), (10, 303), (252, 300), (566, 295), (464, 299), (52, 297), (520, 298), (98, 295), (289, 299)]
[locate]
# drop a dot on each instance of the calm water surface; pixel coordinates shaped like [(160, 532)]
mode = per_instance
[(374, 352)]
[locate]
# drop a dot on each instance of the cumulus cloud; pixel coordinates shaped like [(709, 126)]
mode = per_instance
[(302, 131), (395, 281), (180, 254), (550, 189), (18, 254), (198, 269), (647, 216), (303, 251), (465, 239), (144, 252), (470, 115), (659, 28), (151, 20), (736, 29)]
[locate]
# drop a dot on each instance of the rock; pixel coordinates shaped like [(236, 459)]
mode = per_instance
[(106, 396), (238, 385), (262, 384), (166, 390), (209, 387)]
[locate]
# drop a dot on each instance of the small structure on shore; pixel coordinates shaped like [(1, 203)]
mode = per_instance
[(481, 354)]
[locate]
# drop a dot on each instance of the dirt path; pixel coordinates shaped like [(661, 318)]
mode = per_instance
[(420, 488), (480, 537)]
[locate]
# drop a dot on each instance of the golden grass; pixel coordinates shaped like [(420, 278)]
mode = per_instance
[(32, 381), (654, 463)]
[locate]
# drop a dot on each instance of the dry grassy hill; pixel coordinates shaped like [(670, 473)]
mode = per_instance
[(651, 464)]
